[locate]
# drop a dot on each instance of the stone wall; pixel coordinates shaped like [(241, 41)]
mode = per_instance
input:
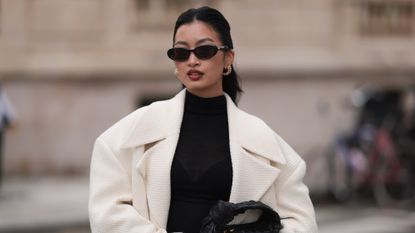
[(73, 68)]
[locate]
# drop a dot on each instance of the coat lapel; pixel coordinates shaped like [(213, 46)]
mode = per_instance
[(156, 167), (251, 177), (159, 127), (253, 148)]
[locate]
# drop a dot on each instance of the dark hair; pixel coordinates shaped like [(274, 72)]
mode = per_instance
[(218, 22)]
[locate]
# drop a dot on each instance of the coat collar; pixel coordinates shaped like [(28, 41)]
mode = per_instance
[(249, 137), (163, 119)]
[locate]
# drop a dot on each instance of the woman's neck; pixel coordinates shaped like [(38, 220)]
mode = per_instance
[(201, 105)]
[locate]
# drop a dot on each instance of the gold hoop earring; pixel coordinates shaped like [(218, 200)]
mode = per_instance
[(228, 71), (176, 72)]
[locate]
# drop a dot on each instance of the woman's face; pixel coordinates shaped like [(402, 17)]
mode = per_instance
[(201, 77)]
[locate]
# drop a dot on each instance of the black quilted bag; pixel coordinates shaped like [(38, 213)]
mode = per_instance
[(224, 212)]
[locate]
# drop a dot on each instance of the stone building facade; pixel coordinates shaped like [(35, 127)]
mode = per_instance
[(74, 67)]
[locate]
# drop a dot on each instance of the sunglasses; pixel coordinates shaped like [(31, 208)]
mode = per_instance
[(203, 52)]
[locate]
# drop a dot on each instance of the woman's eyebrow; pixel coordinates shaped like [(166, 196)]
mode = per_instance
[(181, 43), (201, 41), (204, 40)]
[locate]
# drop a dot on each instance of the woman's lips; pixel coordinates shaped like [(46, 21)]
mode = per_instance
[(194, 75)]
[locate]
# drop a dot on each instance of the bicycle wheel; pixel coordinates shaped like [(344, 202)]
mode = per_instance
[(395, 184)]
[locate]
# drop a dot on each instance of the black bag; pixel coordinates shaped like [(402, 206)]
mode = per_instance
[(224, 212)]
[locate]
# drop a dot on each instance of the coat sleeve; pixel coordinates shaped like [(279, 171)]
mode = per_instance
[(294, 204), (110, 199)]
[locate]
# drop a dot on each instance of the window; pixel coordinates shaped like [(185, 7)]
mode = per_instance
[(62, 21), (386, 17), (142, 101), (159, 13)]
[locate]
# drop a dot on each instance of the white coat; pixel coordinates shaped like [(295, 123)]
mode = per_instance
[(131, 161)]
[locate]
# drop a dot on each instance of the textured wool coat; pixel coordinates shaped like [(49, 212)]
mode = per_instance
[(131, 161)]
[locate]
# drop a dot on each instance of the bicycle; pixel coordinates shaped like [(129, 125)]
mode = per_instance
[(373, 160)]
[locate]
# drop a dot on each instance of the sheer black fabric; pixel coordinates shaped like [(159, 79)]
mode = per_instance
[(201, 172)]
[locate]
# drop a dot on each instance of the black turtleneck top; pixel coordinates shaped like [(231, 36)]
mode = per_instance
[(201, 172)]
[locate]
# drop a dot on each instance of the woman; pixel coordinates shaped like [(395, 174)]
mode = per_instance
[(161, 168)]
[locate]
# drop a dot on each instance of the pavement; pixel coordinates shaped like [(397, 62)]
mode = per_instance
[(59, 205), (44, 204), (363, 218)]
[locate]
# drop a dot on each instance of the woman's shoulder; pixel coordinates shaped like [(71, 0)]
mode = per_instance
[(124, 127), (258, 131), (251, 124)]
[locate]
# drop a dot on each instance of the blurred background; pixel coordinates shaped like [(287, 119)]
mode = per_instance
[(335, 78)]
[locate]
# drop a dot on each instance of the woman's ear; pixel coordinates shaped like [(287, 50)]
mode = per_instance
[(229, 57)]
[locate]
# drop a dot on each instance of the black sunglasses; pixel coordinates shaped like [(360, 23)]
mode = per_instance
[(202, 52)]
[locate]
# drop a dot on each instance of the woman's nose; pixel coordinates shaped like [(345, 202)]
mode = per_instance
[(193, 60)]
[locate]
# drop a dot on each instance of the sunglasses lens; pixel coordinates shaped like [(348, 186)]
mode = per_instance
[(205, 51), (202, 52), (178, 54)]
